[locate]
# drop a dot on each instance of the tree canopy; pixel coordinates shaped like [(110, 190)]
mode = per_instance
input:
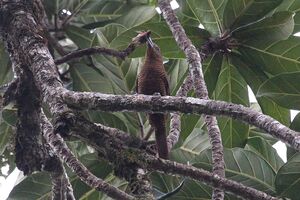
[(68, 72)]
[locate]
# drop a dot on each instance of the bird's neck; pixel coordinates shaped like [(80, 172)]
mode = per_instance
[(153, 58)]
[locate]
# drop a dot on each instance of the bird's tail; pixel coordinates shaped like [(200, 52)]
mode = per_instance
[(158, 121)]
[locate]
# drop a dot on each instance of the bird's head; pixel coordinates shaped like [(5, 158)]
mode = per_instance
[(144, 37)]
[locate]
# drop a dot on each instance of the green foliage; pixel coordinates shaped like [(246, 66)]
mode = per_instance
[(263, 54)]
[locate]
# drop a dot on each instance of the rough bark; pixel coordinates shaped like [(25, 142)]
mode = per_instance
[(25, 41), (147, 103), (175, 123), (138, 158), (62, 150), (195, 68)]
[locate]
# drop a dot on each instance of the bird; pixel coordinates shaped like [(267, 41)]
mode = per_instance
[(151, 80)]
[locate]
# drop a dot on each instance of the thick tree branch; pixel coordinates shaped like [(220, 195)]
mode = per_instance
[(61, 187), (138, 158), (21, 28), (194, 59), (62, 150), (147, 103)]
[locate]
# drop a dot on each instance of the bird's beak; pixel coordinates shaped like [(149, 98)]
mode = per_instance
[(150, 42)]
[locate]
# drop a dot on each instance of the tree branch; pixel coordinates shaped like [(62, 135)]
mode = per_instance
[(147, 103), (138, 158), (61, 149), (96, 50), (175, 123), (195, 68)]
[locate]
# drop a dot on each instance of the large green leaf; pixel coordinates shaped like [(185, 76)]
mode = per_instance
[(283, 89), (288, 178), (177, 70), (111, 179), (38, 186), (211, 69), (81, 37), (266, 151), (240, 12), (194, 144), (189, 190), (111, 31), (208, 12), (255, 132), (87, 79), (277, 27), (99, 11), (243, 166), (162, 36), (255, 77), (93, 14), (274, 58), (294, 6), (137, 15), (231, 87)]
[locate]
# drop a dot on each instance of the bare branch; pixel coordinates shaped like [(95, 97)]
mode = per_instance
[(61, 186), (96, 50), (62, 150), (211, 179), (138, 158), (175, 123), (147, 103), (194, 59)]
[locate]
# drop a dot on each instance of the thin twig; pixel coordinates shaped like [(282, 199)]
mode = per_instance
[(96, 50)]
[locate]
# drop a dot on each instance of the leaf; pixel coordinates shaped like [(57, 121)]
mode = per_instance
[(244, 167), (194, 144), (232, 88), (239, 12), (261, 147), (100, 11), (255, 132), (287, 181), (208, 12), (5, 135), (10, 116), (255, 77), (177, 70), (81, 37), (111, 179), (87, 79), (283, 89), (294, 6), (136, 15), (5, 68), (38, 185), (111, 31), (211, 69), (277, 27), (274, 57), (295, 125), (162, 36)]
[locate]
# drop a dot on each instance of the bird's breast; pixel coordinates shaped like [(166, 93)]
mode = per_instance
[(151, 81)]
